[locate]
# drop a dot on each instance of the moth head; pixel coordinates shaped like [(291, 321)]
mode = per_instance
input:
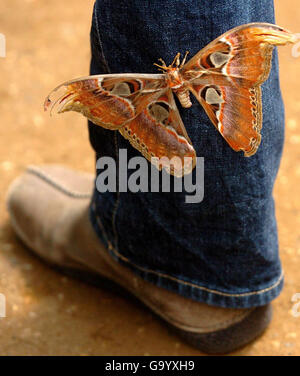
[(173, 69), (176, 64)]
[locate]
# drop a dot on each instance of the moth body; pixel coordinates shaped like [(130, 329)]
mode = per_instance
[(177, 84), (175, 80), (184, 97)]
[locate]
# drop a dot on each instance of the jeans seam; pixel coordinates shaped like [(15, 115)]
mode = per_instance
[(256, 292), (99, 38), (116, 206)]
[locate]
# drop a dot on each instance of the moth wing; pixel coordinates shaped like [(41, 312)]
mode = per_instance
[(107, 100), (235, 111), (159, 134), (226, 75), (244, 54), (140, 106)]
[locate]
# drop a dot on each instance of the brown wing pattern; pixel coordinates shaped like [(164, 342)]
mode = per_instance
[(242, 55), (107, 100), (141, 107), (226, 76), (159, 133), (235, 112)]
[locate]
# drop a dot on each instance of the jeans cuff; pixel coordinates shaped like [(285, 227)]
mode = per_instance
[(192, 290)]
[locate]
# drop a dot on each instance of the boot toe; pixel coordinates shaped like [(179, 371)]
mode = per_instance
[(38, 200)]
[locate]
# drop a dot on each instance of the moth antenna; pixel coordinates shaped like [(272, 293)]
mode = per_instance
[(184, 59), (161, 67), (162, 61), (176, 60)]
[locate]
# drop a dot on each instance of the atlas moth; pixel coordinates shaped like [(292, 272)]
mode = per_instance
[(225, 77)]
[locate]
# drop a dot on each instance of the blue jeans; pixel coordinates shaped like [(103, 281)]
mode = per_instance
[(224, 250)]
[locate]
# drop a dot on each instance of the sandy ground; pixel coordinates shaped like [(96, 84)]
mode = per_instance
[(48, 313)]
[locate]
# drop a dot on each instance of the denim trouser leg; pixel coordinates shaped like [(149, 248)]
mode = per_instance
[(222, 251)]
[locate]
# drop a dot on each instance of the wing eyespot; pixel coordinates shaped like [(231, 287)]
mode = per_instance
[(160, 111), (218, 59)]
